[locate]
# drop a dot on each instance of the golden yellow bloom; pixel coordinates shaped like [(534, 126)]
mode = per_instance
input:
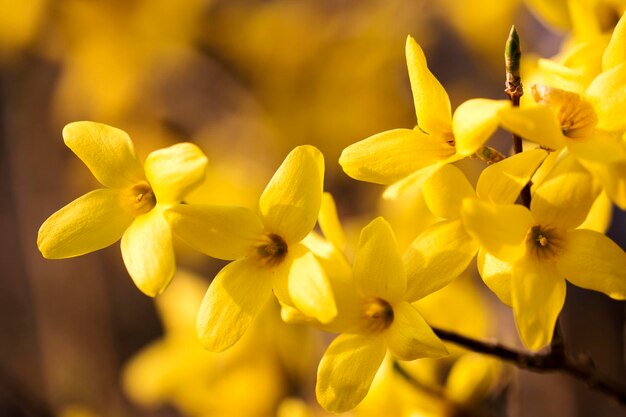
[(131, 205)]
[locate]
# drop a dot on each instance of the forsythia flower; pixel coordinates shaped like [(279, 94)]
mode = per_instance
[(534, 250), (407, 157), (130, 207), (375, 317), (266, 250)]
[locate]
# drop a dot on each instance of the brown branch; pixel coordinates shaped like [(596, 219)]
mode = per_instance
[(556, 360)]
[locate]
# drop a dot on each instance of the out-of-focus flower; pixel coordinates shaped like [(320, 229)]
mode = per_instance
[(130, 207)]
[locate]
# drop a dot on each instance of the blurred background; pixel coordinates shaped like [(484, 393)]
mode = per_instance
[(246, 80)]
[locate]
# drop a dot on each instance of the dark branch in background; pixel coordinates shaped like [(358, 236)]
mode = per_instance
[(514, 90), (556, 360)]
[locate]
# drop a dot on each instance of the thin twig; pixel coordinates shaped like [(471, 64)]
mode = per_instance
[(581, 367)]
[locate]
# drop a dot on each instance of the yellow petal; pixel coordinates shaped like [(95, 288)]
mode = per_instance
[(233, 300), (108, 153), (148, 252), (608, 96), (409, 337), (600, 146), (536, 123), (496, 274), (409, 184), (223, 232), (445, 190), (378, 269), (91, 222), (612, 177), (500, 229), (308, 285), (537, 295), (474, 121), (565, 77), (329, 222), (173, 172), (436, 257), (392, 155), (290, 204), (615, 52), (593, 261), (346, 371), (502, 182), (565, 196), (600, 215), (432, 104)]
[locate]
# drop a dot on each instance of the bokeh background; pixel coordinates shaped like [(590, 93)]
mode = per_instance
[(246, 80)]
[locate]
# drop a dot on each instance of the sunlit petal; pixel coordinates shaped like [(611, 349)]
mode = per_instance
[(392, 155), (91, 222), (223, 232), (474, 121), (409, 337), (502, 182), (445, 190), (329, 222), (233, 300), (537, 295), (108, 152), (496, 274), (536, 123), (436, 257), (411, 183), (148, 252), (593, 261), (347, 369), (378, 269), (290, 204), (432, 105), (615, 52), (500, 229), (173, 172), (608, 96)]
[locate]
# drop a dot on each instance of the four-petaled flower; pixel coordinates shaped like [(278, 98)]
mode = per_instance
[(130, 207)]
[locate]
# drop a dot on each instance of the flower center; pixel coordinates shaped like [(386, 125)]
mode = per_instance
[(140, 198), (272, 251), (576, 115), (377, 315), (544, 242)]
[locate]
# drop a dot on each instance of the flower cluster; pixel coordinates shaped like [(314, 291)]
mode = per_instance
[(526, 249)]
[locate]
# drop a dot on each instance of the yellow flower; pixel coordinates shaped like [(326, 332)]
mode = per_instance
[(376, 316), (405, 158), (266, 249), (534, 251), (130, 207)]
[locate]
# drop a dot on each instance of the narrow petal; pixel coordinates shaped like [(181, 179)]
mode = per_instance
[(409, 337), (290, 204), (445, 190), (392, 155), (502, 182), (593, 261), (378, 269), (537, 295), (432, 104), (173, 172), (565, 196), (108, 153), (148, 252), (409, 184), (615, 52), (496, 275), (308, 285), (436, 257), (608, 96), (500, 229), (233, 300), (223, 232), (474, 121), (346, 371), (329, 222), (535, 123), (91, 222)]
